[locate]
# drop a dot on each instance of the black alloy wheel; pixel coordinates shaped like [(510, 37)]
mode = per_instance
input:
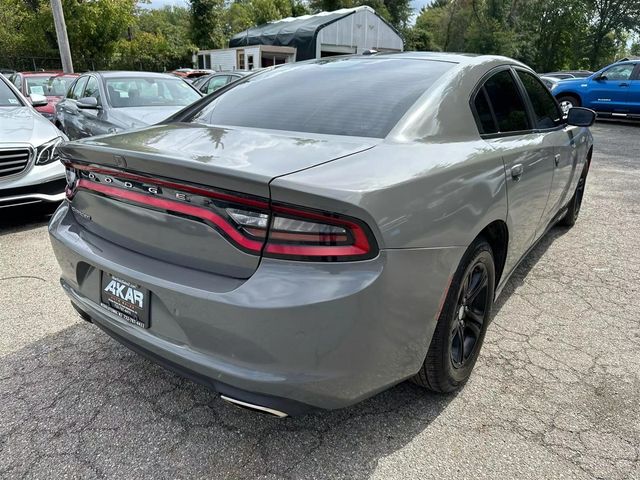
[(462, 323), (470, 314)]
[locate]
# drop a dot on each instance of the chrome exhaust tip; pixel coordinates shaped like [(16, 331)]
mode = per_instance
[(255, 408)]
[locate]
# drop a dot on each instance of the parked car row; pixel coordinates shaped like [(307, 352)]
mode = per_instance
[(78, 106), (107, 102)]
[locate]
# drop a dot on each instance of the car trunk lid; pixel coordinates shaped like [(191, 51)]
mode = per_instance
[(164, 191)]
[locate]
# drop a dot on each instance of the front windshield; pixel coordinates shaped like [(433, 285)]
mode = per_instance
[(58, 86), (7, 97), (149, 92), (37, 85)]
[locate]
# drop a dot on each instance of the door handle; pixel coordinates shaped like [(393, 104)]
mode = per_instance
[(516, 171), (556, 159), (623, 85)]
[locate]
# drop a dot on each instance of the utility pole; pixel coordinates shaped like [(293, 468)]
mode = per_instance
[(61, 34)]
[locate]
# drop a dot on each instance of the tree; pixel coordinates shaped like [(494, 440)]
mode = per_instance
[(207, 23), (610, 19), (94, 28), (20, 34), (159, 40), (546, 34)]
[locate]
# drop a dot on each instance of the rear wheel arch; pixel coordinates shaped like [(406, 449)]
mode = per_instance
[(573, 95), (497, 236)]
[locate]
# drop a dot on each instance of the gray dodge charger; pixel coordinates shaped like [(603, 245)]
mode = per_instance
[(318, 232)]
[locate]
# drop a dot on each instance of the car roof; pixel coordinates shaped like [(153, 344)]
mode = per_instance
[(35, 74), (230, 72), (453, 57), (124, 73)]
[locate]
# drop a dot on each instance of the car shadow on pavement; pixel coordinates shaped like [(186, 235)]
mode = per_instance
[(27, 217), (520, 274), (79, 402)]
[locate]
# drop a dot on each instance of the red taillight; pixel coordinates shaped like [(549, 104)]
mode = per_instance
[(302, 234), (250, 223)]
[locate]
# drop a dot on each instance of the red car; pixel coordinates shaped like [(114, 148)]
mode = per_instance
[(51, 84)]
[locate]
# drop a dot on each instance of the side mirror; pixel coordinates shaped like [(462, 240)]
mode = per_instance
[(581, 117), (89, 103), (38, 100)]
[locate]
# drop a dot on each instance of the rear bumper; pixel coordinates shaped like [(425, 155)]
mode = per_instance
[(293, 336)]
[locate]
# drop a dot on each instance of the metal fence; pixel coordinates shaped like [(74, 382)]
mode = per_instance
[(80, 64)]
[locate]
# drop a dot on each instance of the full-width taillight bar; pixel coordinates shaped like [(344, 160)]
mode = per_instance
[(253, 224)]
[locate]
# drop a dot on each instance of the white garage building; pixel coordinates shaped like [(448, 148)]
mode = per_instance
[(346, 31)]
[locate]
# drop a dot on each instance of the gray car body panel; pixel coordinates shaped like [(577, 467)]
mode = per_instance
[(324, 334), (330, 334)]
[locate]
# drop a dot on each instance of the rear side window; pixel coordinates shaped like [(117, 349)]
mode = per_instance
[(354, 96), (546, 109), (508, 105), (216, 83), (484, 116)]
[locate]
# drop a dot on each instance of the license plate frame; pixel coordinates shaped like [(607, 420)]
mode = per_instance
[(126, 299)]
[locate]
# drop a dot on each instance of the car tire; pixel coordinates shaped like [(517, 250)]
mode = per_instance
[(447, 365), (568, 101), (573, 209)]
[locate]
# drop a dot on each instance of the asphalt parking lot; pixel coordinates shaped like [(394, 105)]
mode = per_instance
[(556, 392)]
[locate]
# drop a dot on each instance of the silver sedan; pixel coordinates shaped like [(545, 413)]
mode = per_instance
[(315, 233), (29, 169)]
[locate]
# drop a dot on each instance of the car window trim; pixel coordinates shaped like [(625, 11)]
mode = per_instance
[(80, 78), (635, 75), (84, 90), (476, 115), (480, 85), (70, 89), (529, 104)]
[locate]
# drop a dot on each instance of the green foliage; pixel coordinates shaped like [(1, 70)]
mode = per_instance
[(546, 34), (20, 30), (207, 23), (159, 39)]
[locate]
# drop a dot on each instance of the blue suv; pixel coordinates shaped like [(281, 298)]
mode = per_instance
[(613, 91)]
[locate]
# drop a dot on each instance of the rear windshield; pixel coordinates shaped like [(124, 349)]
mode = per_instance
[(150, 92), (58, 86), (362, 97), (7, 97)]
